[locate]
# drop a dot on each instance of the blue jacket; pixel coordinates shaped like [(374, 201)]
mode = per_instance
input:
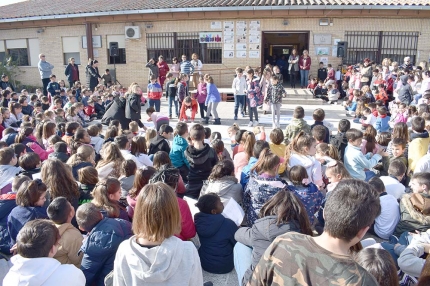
[(355, 162), (177, 152), (99, 248), (213, 94), (20, 216), (7, 204), (353, 106), (216, 234), (246, 172), (311, 198), (52, 87), (381, 124)]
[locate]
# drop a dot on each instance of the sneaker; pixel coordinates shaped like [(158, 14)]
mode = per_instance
[(235, 118), (393, 239), (250, 124), (243, 115), (256, 123)]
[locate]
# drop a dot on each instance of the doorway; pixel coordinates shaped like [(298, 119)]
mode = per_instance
[(279, 44)]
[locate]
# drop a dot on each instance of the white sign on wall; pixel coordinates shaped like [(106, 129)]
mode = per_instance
[(322, 39), (97, 42)]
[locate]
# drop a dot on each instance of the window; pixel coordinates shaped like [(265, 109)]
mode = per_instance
[(71, 50), (18, 52), (175, 44), (2, 52), (33, 46), (121, 58), (379, 45)]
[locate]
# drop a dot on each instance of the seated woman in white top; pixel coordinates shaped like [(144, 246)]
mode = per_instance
[(154, 256)]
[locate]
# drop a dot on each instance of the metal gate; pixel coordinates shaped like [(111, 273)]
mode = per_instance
[(379, 45)]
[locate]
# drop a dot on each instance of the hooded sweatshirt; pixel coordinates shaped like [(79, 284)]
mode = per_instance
[(405, 92), (418, 148), (312, 166), (159, 143), (69, 245), (216, 234), (296, 125), (177, 153), (7, 204), (44, 271), (7, 174), (174, 262), (226, 188)]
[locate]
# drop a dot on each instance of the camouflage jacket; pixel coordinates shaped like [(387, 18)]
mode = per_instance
[(295, 259)]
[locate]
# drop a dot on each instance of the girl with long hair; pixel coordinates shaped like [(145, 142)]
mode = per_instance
[(141, 179), (83, 157), (110, 164), (368, 144), (49, 129), (247, 140), (87, 180), (80, 138), (106, 195), (140, 151)]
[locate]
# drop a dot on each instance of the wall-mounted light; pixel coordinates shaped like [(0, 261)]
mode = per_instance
[(96, 27), (39, 31), (285, 22), (149, 25), (324, 21)]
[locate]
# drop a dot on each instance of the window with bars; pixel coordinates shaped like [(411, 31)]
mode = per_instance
[(171, 45), (19, 56), (379, 45)]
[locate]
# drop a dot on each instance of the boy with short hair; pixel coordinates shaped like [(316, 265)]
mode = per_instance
[(345, 225), (367, 119), (160, 142), (155, 92), (107, 78), (319, 134), (8, 171), (320, 90), (278, 147), (392, 182), (33, 99), (339, 140), (124, 147), (418, 147), (296, 125), (72, 100), (356, 163), (398, 147), (45, 103), (177, 153), (26, 108), (30, 163), (34, 265), (239, 86), (53, 86), (59, 116), (96, 140), (60, 152), (101, 243), (201, 158), (322, 72), (61, 212), (381, 124), (319, 116), (85, 96)]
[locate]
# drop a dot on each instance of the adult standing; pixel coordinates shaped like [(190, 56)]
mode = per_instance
[(197, 64), (366, 73), (92, 73), (293, 67), (175, 67), (153, 69), (305, 66), (407, 65), (72, 72), (132, 106), (187, 68), (163, 69), (116, 110), (45, 70)]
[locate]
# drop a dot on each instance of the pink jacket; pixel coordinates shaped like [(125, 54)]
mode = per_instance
[(401, 117), (43, 154), (187, 223), (240, 160), (201, 93)]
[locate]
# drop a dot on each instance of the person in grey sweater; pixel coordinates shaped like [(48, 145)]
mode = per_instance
[(277, 217), (153, 69), (45, 70)]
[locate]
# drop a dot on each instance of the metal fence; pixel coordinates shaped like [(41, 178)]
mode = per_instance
[(379, 45), (172, 45)]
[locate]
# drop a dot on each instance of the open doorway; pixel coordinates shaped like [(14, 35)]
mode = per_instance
[(279, 44)]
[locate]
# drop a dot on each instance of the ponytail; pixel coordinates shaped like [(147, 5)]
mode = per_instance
[(248, 145), (267, 162), (299, 142)]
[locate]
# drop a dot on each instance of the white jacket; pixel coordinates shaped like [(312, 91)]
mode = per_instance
[(128, 156), (44, 271), (98, 143), (239, 85), (173, 263), (312, 166)]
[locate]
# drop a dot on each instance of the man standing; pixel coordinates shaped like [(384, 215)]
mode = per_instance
[(45, 70), (407, 65), (187, 68)]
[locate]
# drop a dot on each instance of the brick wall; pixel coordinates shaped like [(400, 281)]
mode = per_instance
[(135, 71)]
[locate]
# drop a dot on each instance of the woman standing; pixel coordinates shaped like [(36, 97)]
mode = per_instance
[(163, 69), (132, 106), (293, 67), (197, 69), (72, 72), (366, 73), (175, 67), (305, 66), (212, 100), (92, 73)]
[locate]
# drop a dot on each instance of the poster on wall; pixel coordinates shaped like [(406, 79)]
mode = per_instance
[(241, 47), (241, 39), (216, 25), (254, 28), (324, 60), (229, 39), (210, 37), (254, 47), (322, 39), (241, 54), (254, 54), (322, 51), (241, 31), (228, 47), (228, 28), (228, 54), (254, 39)]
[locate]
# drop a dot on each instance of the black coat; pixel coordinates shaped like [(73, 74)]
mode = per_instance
[(116, 110), (132, 107), (92, 77), (69, 72)]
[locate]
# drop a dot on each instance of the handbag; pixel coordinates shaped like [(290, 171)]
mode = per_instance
[(421, 203)]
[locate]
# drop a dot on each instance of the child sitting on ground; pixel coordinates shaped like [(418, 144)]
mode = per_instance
[(179, 145), (392, 182), (30, 163), (37, 243), (418, 146), (60, 152), (307, 191), (101, 243), (368, 119), (278, 147), (296, 125), (160, 142), (386, 221), (319, 134), (106, 197), (339, 141), (216, 234), (8, 169), (319, 116), (381, 124), (61, 212)]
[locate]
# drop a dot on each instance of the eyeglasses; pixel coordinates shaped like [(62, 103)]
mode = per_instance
[(42, 56)]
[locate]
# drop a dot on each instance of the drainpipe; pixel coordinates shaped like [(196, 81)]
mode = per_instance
[(89, 35)]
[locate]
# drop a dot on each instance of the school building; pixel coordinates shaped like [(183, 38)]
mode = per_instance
[(225, 34)]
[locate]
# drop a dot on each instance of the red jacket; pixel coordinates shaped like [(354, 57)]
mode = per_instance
[(194, 108), (89, 110), (188, 230), (308, 63), (163, 68)]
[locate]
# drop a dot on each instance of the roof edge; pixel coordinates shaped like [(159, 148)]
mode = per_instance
[(218, 9)]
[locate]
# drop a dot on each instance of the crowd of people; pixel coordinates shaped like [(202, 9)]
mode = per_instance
[(111, 206)]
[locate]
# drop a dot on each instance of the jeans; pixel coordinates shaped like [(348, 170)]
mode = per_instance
[(404, 239), (253, 111), (156, 103), (171, 101), (304, 74), (239, 100), (416, 98), (276, 108), (203, 108), (212, 110), (242, 259), (293, 78), (45, 82), (369, 175)]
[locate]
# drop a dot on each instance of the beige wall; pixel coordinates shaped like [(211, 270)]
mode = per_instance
[(135, 71)]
